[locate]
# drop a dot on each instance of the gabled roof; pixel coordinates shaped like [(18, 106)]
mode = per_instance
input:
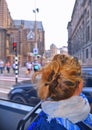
[(28, 24)]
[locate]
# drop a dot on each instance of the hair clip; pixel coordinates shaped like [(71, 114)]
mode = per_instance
[(55, 82), (46, 84), (51, 75)]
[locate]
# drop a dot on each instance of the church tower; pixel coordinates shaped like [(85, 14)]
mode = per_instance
[(5, 17)]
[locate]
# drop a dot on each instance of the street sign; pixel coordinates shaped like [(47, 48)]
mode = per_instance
[(35, 51), (30, 35)]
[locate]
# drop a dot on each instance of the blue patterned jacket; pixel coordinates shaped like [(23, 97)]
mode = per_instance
[(42, 123)]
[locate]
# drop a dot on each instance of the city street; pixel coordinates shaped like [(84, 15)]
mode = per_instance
[(7, 80)]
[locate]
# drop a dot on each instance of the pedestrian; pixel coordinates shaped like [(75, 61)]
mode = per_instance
[(8, 66), (29, 67), (1, 66), (36, 66), (14, 67), (64, 106)]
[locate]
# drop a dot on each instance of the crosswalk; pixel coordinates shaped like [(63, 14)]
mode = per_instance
[(6, 82), (5, 91), (10, 78)]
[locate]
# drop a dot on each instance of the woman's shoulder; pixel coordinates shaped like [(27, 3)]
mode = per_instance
[(42, 123), (83, 96)]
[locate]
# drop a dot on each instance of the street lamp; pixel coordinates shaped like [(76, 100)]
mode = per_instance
[(36, 10)]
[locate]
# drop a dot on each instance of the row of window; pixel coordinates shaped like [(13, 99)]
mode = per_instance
[(88, 52)]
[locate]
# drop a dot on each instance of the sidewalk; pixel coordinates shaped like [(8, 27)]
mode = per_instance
[(9, 79), (22, 73)]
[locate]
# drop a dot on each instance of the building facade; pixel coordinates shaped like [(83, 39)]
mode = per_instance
[(53, 50), (23, 33), (80, 32), (49, 54), (2, 43), (64, 50)]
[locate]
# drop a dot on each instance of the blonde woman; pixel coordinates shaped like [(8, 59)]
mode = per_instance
[(63, 105)]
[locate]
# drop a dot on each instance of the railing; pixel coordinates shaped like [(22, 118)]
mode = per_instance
[(31, 117)]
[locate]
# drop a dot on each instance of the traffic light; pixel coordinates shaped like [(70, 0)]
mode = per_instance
[(14, 46)]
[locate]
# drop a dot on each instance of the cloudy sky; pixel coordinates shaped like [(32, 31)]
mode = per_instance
[(54, 14)]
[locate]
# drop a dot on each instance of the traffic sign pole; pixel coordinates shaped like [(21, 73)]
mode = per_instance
[(16, 69), (16, 65), (35, 52)]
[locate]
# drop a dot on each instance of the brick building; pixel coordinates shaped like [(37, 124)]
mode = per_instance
[(18, 31), (80, 32)]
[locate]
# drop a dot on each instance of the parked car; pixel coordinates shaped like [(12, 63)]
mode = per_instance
[(87, 70), (24, 92), (87, 75)]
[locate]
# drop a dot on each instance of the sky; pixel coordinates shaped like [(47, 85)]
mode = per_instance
[(54, 14)]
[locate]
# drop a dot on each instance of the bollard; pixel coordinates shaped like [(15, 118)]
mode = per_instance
[(16, 69)]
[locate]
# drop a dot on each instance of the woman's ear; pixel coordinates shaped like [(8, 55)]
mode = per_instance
[(79, 88)]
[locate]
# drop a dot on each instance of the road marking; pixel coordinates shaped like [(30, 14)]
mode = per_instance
[(3, 78), (6, 91)]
